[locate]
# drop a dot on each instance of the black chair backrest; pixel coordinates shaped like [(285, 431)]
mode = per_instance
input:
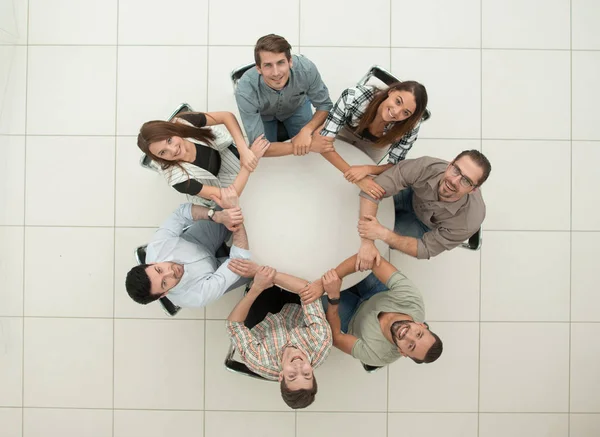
[(238, 73)]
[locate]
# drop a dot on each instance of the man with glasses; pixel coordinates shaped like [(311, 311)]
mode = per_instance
[(438, 206)]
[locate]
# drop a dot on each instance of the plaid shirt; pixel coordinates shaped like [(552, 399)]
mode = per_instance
[(348, 110), (304, 327)]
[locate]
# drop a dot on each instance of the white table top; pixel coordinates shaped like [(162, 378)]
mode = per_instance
[(301, 214)]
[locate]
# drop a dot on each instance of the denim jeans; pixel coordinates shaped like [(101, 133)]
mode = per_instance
[(406, 223), (292, 124)]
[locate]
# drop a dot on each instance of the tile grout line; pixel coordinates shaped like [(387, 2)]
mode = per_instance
[(481, 248), (387, 405), (204, 309), (114, 320), (24, 229), (571, 213)]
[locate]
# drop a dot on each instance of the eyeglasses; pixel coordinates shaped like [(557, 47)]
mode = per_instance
[(464, 181)]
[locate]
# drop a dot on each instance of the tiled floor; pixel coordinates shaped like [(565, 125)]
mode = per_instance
[(520, 319)]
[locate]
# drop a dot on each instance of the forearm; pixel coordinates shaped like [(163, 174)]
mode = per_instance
[(199, 212), (337, 161), (408, 245), (378, 169), (240, 312), (240, 238), (346, 267), (235, 130), (317, 120), (241, 180), (279, 149), (290, 282), (333, 318)]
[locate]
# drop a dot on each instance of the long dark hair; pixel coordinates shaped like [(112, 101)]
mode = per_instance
[(158, 130), (400, 128)]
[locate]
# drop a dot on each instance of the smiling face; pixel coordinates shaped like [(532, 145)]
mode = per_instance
[(398, 106), (412, 339), (296, 369), (164, 276), (460, 178), (275, 69), (171, 149)]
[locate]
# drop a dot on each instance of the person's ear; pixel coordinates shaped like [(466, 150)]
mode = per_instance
[(280, 376), (291, 62), (424, 325), (402, 353), (258, 69)]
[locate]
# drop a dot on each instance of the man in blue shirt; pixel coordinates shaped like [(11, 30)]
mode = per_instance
[(282, 88)]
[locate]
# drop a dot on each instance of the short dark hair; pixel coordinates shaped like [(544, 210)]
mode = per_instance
[(138, 285), (272, 43), (298, 398), (481, 161), (434, 351)]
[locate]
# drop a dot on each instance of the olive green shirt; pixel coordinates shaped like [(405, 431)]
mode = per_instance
[(402, 297)]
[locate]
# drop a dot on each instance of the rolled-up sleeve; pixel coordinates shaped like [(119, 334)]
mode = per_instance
[(175, 224), (319, 329), (440, 239)]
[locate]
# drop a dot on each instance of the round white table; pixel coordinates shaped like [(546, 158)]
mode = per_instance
[(301, 214)]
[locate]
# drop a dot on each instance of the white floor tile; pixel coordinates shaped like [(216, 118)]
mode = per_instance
[(12, 180), (343, 67), (454, 98), (143, 197), (41, 422), (153, 93), (584, 285), (13, 81), (335, 392), (448, 24), (443, 149), (170, 369), (225, 424), (225, 390), (76, 264), (343, 424), (182, 22), (73, 22), (584, 425), (221, 308), (585, 381), (238, 22), (523, 425), (586, 92), (585, 180), (78, 191), (456, 300), (66, 81), (68, 363), (126, 241), (584, 17), (221, 62), (448, 384), (12, 423), (525, 276), (525, 358), (11, 271), (11, 370), (433, 425), (522, 86), (526, 24), (158, 423), (13, 22), (546, 183)]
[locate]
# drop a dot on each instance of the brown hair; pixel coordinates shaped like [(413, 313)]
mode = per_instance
[(272, 43), (400, 128), (434, 351), (480, 160), (298, 398), (157, 130)]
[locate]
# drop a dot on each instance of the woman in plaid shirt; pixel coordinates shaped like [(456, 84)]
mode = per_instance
[(376, 121)]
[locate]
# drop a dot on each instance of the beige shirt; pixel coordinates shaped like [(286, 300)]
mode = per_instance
[(451, 223), (372, 347)]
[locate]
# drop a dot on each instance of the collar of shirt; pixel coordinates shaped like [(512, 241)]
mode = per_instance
[(291, 343), (266, 88), (451, 207)]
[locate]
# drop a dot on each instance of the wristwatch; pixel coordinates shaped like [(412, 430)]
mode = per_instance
[(211, 214), (333, 301)]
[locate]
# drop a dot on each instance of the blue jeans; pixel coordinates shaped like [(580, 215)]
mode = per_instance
[(406, 223), (351, 298), (292, 124)]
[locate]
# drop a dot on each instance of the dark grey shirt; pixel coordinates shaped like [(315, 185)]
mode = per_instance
[(257, 101)]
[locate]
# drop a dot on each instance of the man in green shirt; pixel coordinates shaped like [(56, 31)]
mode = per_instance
[(377, 327)]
